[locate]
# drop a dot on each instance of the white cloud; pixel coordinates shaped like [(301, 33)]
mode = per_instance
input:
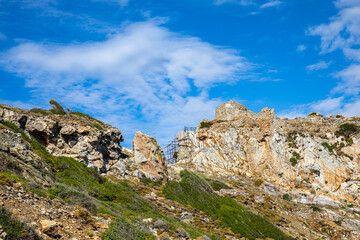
[(271, 4), (328, 105), (239, 2), (318, 66), (120, 2), (301, 48), (145, 77), (350, 84)]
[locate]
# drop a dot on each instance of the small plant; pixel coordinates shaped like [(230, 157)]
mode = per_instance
[(337, 222), (98, 126), (312, 114), (295, 158), (329, 147), (56, 107), (350, 141), (326, 182), (206, 124), (293, 161), (39, 110), (316, 208), (14, 228), (347, 129), (286, 197), (258, 182), (350, 205)]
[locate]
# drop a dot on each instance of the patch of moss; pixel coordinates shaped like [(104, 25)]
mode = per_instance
[(206, 124), (346, 130), (39, 110), (329, 147), (98, 126), (197, 192)]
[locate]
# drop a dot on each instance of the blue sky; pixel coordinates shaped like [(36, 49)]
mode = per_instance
[(156, 66)]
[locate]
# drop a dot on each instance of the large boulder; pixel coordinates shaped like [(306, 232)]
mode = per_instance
[(149, 157)]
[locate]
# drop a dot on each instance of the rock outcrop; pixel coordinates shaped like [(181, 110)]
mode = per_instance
[(308, 155), (85, 139), (148, 157)]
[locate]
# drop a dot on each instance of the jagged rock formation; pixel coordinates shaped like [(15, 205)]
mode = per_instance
[(302, 155), (148, 158), (16, 155), (87, 140)]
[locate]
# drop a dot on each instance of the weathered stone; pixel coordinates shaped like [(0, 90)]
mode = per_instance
[(181, 233), (69, 135), (290, 154), (161, 225), (49, 227), (149, 157)]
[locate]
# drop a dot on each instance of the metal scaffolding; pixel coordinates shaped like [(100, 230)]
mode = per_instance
[(171, 150)]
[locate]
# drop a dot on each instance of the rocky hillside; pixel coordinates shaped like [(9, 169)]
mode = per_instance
[(64, 175), (315, 155)]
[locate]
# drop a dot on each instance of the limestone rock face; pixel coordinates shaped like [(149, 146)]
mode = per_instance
[(149, 157), (69, 135), (231, 110), (16, 155), (302, 155)]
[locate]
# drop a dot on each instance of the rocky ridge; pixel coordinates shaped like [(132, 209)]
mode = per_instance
[(301, 155)]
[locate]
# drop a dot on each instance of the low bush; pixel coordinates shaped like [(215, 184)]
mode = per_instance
[(15, 229), (329, 147), (197, 192), (347, 129), (286, 197), (206, 124), (39, 110), (98, 126), (57, 108), (122, 229)]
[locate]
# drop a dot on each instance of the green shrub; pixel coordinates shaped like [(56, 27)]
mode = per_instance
[(258, 182), (346, 130), (206, 124), (39, 110), (293, 161), (15, 229), (316, 208), (329, 147), (286, 197), (84, 115), (197, 192), (56, 107), (122, 229), (295, 158), (217, 185), (98, 126)]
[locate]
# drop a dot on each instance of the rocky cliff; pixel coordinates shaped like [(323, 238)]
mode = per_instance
[(87, 140), (315, 158)]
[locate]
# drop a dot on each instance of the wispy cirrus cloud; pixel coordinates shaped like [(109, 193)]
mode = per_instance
[(318, 66), (271, 4), (268, 4), (239, 2), (145, 77), (301, 48)]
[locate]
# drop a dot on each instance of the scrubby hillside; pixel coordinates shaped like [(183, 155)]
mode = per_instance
[(65, 176)]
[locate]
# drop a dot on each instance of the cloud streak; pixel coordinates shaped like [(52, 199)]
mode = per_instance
[(318, 66)]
